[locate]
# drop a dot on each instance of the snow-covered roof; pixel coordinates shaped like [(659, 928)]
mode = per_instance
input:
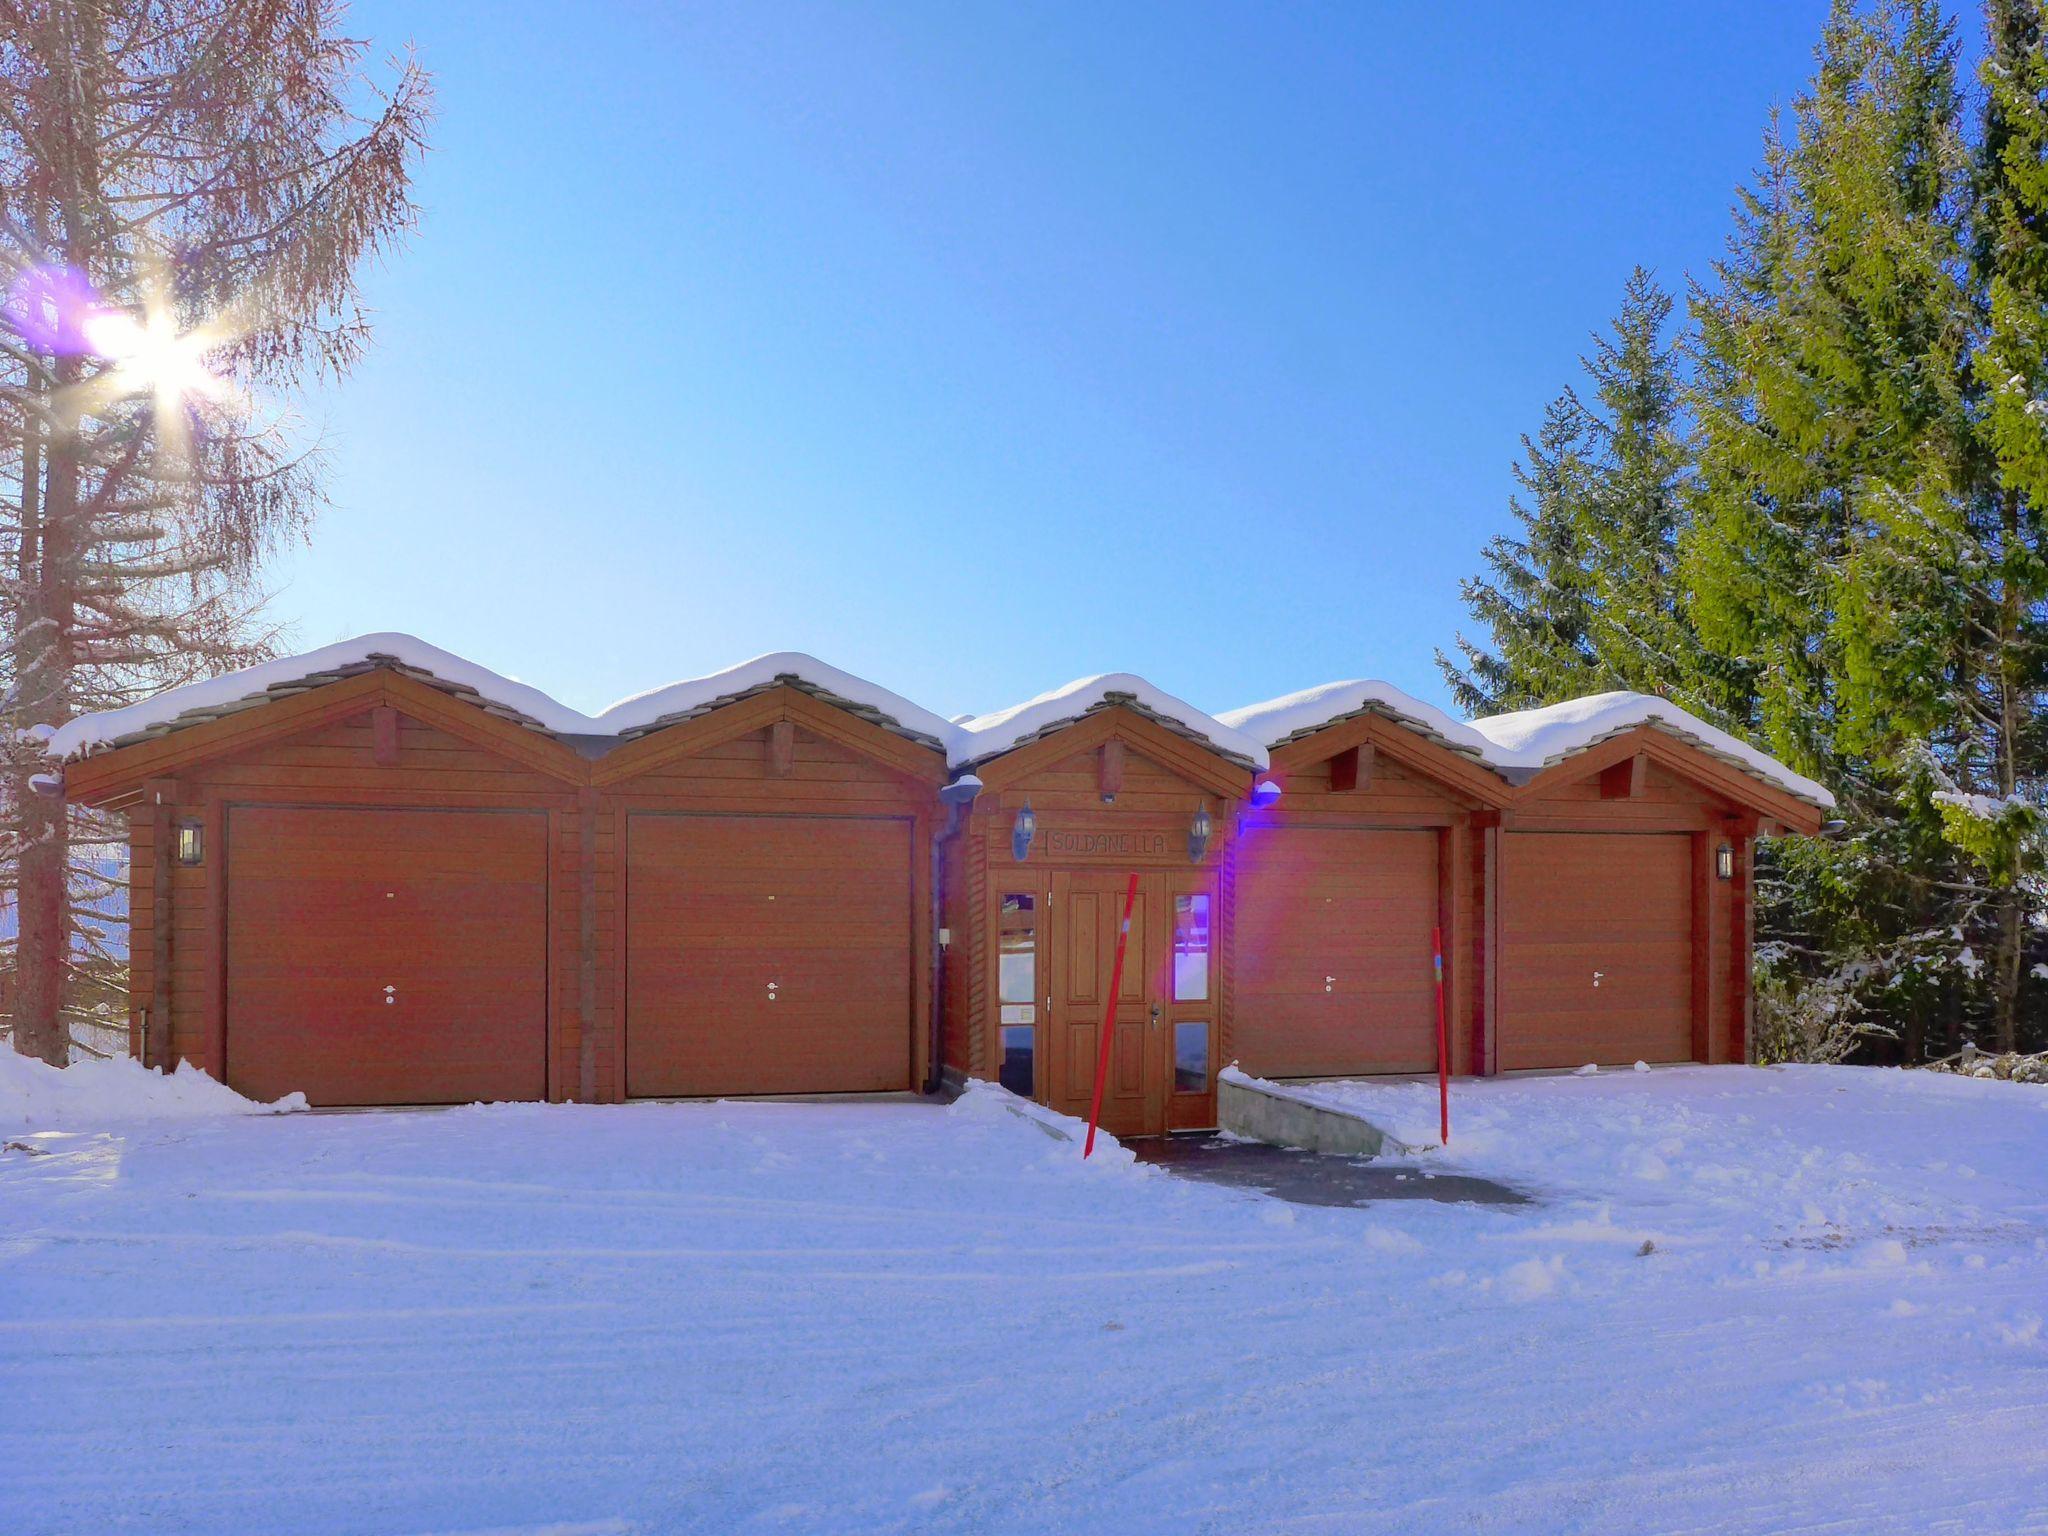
[(1535, 738), (1516, 745), (663, 706), (1292, 715), (985, 736), (235, 691)]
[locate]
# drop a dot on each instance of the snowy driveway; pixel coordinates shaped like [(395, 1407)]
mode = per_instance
[(841, 1318)]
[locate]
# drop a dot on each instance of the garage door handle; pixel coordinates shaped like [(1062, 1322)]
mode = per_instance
[(1596, 977)]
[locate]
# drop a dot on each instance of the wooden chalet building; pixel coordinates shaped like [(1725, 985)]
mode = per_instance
[(379, 874)]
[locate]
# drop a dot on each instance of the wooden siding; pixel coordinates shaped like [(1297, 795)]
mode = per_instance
[(1622, 884), (382, 956), (1408, 853), (824, 779), (381, 741), (1335, 971), (767, 954), (1084, 852), (331, 765), (1596, 949)]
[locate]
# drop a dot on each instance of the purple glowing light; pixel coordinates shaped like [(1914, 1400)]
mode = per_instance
[(54, 308)]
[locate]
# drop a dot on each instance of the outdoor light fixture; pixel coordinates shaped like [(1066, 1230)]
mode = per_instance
[(1265, 793), (191, 842), (1724, 863), (1198, 834), (1021, 832)]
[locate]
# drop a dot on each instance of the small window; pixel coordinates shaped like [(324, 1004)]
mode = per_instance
[(1191, 948), (1019, 1071), (1191, 1056), (1017, 955)]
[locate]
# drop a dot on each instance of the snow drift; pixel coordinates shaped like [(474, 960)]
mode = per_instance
[(36, 1097)]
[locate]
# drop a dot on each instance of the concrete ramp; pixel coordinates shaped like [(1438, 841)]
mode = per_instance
[(1286, 1116)]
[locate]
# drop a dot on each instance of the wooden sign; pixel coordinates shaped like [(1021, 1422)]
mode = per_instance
[(1074, 843)]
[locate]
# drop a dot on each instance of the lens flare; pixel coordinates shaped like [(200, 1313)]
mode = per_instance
[(151, 356), (57, 309)]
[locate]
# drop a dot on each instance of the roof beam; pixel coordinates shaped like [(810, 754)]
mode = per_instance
[(1351, 769), (1627, 779), (1110, 768)]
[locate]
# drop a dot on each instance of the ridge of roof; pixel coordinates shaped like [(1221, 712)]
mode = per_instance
[(985, 736), (1520, 744), (1515, 745)]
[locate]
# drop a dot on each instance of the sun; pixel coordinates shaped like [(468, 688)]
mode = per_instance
[(152, 356)]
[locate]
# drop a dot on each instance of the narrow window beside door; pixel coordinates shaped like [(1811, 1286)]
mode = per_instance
[(1191, 1056), (1019, 1071), (1017, 992), (1191, 948)]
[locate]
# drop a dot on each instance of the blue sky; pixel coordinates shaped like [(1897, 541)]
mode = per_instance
[(975, 349)]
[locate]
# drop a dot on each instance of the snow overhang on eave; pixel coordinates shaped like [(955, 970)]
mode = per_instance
[(590, 736), (983, 738), (1529, 742)]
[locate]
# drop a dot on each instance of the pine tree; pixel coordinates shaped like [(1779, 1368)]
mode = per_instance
[(1538, 604), (1588, 600), (187, 190), (1995, 812), (1854, 540)]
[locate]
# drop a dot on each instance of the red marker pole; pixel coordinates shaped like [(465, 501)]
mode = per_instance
[(1116, 985), (1443, 1039)]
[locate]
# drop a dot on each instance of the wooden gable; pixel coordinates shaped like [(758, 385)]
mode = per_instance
[(1151, 761), (116, 775), (1650, 774), (1373, 760), (786, 732)]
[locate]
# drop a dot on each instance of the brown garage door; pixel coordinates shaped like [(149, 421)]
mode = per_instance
[(767, 954), (1334, 957), (1596, 949), (333, 911)]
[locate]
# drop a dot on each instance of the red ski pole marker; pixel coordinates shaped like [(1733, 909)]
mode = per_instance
[(1116, 985), (1443, 1039)]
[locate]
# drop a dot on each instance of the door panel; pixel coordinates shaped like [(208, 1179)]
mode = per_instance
[(1087, 912), (332, 911), (1596, 941), (767, 954), (1336, 971)]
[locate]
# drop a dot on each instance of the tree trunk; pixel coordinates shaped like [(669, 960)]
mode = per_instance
[(2011, 916), (42, 948), (2011, 721)]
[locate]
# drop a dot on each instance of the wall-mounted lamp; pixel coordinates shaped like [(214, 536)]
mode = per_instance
[(1021, 832), (1264, 794), (1198, 834), (1724, 863), (191, 842)]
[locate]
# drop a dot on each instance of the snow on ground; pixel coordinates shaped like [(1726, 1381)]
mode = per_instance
[(896, 1317), (35, 1097)]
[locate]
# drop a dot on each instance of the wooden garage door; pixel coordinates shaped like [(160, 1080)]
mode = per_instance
[(1596, 949), (387, 956), (1334, 955), (767, 954)]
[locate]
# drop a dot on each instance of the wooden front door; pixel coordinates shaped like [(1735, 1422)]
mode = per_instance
[(1162, 1064)]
